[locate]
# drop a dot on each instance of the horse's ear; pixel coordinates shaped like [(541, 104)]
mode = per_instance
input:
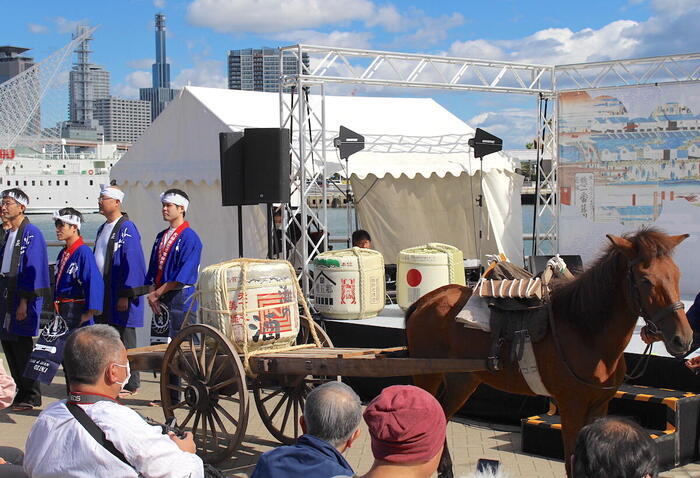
[(623, 245), (678, 239)]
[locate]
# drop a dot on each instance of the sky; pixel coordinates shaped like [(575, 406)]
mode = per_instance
[(201, 32)]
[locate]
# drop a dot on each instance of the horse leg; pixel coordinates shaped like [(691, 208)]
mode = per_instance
[(575, 416), (458, 388)]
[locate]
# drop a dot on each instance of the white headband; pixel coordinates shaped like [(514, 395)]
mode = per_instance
[(177, 199), (69, 219), (108, 191), (11, 194)]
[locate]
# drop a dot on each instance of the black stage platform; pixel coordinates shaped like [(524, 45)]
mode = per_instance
[(387, 330)]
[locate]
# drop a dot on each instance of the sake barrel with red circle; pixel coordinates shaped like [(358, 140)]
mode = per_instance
[(349, 283), (424, 268), (251, 300)]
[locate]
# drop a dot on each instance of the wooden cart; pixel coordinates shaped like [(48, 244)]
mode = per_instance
[(214, 381)]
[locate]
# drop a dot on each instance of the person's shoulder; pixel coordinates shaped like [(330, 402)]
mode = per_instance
[(56, 410), (190, 233), (34, 230)]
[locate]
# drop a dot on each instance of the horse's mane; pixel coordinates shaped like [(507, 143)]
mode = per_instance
[(588, 300)]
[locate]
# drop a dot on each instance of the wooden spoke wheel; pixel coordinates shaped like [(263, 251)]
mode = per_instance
[(280, 398), (203, 385)]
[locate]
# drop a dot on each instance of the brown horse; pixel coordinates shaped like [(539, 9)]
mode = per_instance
[(582, 363)]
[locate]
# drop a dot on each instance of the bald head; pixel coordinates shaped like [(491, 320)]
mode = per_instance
[(89, 350)]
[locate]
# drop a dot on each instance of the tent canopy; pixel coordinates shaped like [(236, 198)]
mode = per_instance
[(181, 149)]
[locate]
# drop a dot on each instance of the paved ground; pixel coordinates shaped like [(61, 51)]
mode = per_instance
[(469, 441)]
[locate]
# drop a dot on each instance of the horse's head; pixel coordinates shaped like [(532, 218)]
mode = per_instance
[(653, 289)]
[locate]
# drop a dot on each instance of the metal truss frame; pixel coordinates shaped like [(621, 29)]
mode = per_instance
[(329, 65), (21, 97)]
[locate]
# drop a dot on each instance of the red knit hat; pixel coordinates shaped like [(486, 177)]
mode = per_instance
[(407, 425)]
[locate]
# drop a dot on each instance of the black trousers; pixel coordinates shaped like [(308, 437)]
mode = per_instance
[(13, 468), (128, 336), (17, 353)]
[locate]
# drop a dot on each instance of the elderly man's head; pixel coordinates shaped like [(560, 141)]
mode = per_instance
[(96, 358), (614, 447), (332, 412)]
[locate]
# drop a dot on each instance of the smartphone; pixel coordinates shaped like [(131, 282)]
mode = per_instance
[(484, 465)]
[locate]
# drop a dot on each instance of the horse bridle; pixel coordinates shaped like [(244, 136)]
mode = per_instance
[(651, 322), (638, 310)]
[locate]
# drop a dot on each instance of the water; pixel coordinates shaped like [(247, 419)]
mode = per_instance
[(337, 226), (44, 222)]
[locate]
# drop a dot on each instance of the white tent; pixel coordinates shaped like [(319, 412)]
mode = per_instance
[(180, 149)]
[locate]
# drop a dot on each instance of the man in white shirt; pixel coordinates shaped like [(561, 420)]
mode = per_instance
[(119, 258), (58, 445)]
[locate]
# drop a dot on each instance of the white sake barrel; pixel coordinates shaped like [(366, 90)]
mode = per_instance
[(262, 311), (349, 283), (425, 268)]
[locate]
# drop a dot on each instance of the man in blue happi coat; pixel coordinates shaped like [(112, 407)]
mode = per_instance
[(77, 297), (174, 264), (24, 282), (331, 420), (119, 259), (173, 269)]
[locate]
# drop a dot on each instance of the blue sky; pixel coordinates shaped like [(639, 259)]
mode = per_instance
[(200, 33)]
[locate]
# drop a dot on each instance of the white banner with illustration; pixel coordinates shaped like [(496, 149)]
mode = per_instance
[(628, 158)]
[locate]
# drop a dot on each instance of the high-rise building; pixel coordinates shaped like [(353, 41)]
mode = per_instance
[(12, 63), (259, 69), (87, 83), (160, 94), (123, 120)]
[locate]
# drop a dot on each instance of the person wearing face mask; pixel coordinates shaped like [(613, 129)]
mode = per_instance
[(60, 445), (77, 298)]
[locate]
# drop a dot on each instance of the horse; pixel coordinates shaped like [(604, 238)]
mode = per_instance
[(580, 359)]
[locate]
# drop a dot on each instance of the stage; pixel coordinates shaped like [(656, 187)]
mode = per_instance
[(388, 330)]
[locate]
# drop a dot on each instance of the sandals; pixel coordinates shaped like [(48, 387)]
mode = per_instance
[(128, 393), (22, 407), (155, 403)]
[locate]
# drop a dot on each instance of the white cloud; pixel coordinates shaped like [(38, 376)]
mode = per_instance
[(388, 18), (36, 28), (159, 3), (64, 25), (673, 29), (206, 72), (334, 38), (129, 88), (431, 30), (273, 16), (515, 126), (140, 64)]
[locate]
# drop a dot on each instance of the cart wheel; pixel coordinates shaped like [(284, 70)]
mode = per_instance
[(213, 395), (280, 398)]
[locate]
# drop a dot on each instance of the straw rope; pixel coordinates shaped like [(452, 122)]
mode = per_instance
[(221, 296)]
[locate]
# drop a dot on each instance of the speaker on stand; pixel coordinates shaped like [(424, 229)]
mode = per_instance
[(255, 169)]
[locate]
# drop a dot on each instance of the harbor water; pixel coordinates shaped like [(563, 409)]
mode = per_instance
[(337, 226)]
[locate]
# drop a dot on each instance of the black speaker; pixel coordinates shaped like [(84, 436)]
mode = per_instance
[(231, 157), (266, 165)]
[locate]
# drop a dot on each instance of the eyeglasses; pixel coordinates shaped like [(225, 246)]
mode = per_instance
[(103, 199), (9, 203)]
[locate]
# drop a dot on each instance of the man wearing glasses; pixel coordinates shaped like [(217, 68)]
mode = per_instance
[(24, 281), (119, 258)]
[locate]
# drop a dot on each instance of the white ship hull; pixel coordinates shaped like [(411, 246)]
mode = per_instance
[(57, 182)]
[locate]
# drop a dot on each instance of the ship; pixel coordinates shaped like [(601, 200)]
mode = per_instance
[(68, 177)]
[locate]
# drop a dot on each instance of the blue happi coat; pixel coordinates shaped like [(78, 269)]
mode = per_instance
[(80, 279), (123, 275), (182, 263), (28, 278)]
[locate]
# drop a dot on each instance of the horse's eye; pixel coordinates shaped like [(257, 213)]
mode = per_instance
[(646, 281)]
